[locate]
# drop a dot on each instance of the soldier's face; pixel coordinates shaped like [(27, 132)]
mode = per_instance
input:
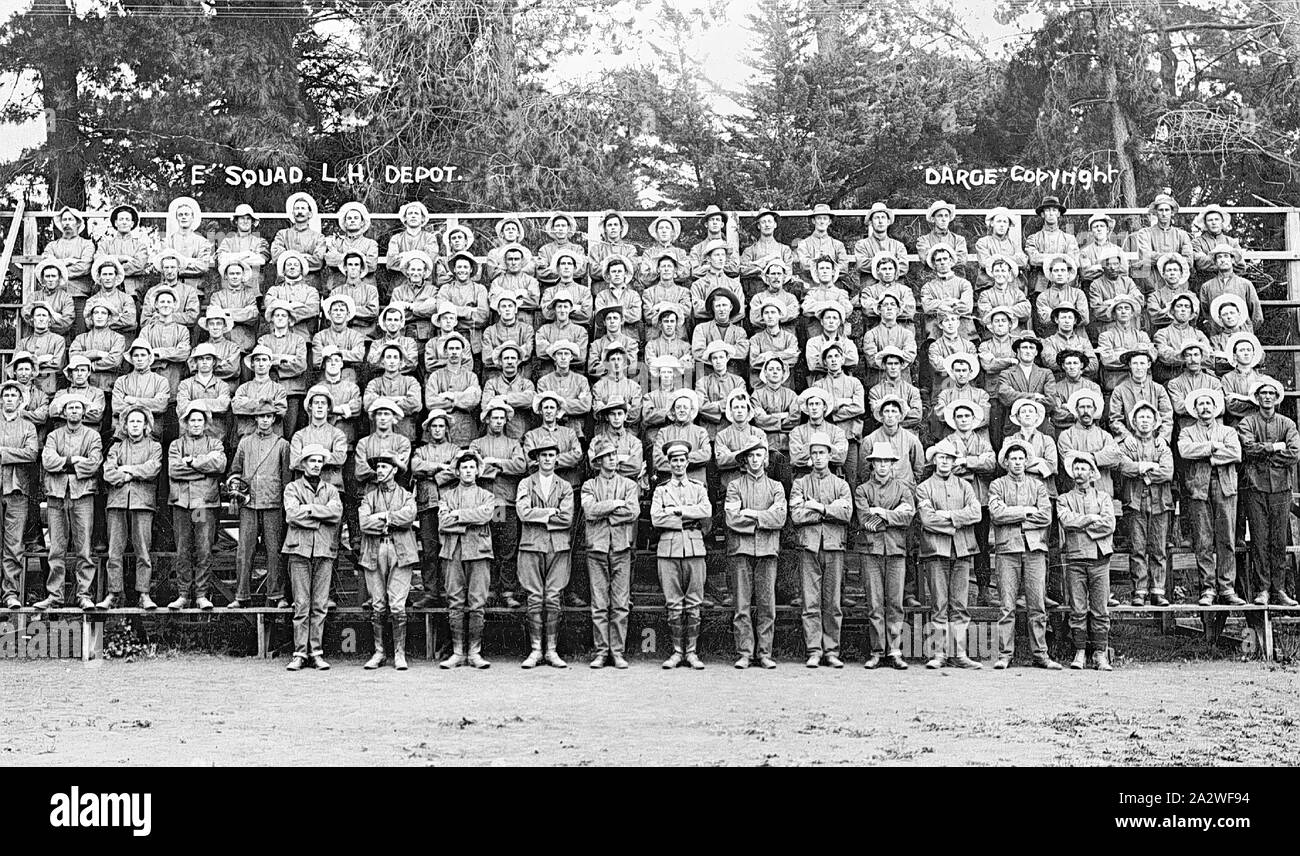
[(738, 410), (514, 261), (73, 412), (617, 418), (23, 372), (1059, 273), (352, 220), (1081, 471), (1213, 222), (886, 271), (546, 460), (319, 408), (820, 457), (1268, 397), (141, 359), (714, 224), (280, 319), (550, 410), (455, 350), (1015, 462), (964, 419), (1138, 366), (890, 416), (830, 321), (1100, 231), (664, 231), (677, 463), (50, 278), (943, 465), (458, 241), (438, 430), (1073, 367), (1193, 358), (292, 268), (961, 373), (244, 223), (766, 225), (392, 321), (352, 269), (1026, 415), (834, 360), (509, 362), (821, 222), (893, 367), (816, 409), (69, 224), (1223, 262), (1123, 312), (135, 425), (1110, 266), (667, 270), (496, 421), (681, 410), (185, 216), (265, 421), (312, 466), (413, 218), (721, 308), (1172, 272), (384, 471), (719, 361), (261, 364), (1001, 272), (1001, 325), (1181, 310), (166, 304), (301, 211), (507, 310), (617, 274), (1244, 353), (756, 461), (880, 221), (235, 274), (613, 322), (717, 259), (510, 233), (1065, 322), (196, 423), (825, 272), (941, 219), (109, 277), (1051, 215), (333, 365), (205, 364), (1086, 411), (563, 359), (10, 399), (338, 313), (1164, 214), (467, 470), (1204, 408), (170, 269), (667, 377), (560, 229), (607, 464), (41, 320), (565, 267), (123, 222), (1027, 352), (668, 324), (888, 310), (881, 467), (79, 375), (617, 364), (613, 229), (1001, 225), (949, 324), (942, 262), (562, 309), (216, 327), (383, 419)]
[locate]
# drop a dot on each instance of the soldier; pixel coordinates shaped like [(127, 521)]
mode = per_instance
[(1139, 386), (1181, 331), (319, 431), (772, 341), (722, 326), (258, 472), (679, 507), (203, 385), (195, 464), (945, 293), (51, 291), (504, 466), (1212, 226), (877, 244), (123, 316), (18, 451), (1026, 380), (998, 243), (362, 293), (512, 386), (831, 319), (561, 227), (613, 244), (776, 274), (245, 245), (940, 215), (885, 509), (610, 321), (238, 299), (1148, 468), (566, 263), (1271, 447), (127, 245), (1070, 337), (35, 409), (683, 407), (611, 504), (185, 292), (312, 511), (354, 222), (388, 554), (299, 297), (1100, 247), (431, 471), (562, 329), (848, 408), (664, 231), (1244, 352), (1003, 292), (417, 291), (1088, 521), (71, 459), (49, 350), (1050, 241), (1122, 336), (303, 235), (405, 390), (1087, 435), (415, 240), (755, 514), (1020, 509), (1226, 281), (544, 502), (821, 507), (131, 471), (508, 331), (261, 393), (1210, 453), (337, 333), (102, 347), (618, 271), (1160, 238), (75, 253), (758, 257), (778, 414), (464, 512)]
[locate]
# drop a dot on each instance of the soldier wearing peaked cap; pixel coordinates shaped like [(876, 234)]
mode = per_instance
[(1088, 524), (679, 510), (611, 504), (1271, 447), (886, 508), (821, 507), (313, 511)]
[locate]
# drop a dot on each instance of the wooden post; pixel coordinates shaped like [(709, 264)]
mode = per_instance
[(1292, 233), (1266, 637), (263, 632)]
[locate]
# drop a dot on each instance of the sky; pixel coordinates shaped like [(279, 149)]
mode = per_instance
[(723, 50)]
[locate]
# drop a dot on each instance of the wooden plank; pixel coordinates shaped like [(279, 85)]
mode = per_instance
[(1266, 640), (11, 236), (263, 646)]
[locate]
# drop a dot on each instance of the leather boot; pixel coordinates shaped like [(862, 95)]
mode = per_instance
[(457, 657), (109, 602), (399, 642), (473, 656), (675, 632), (1080, 659), (1100, 661), (552, 641), (534, 640), (692, 637), (377, 659)]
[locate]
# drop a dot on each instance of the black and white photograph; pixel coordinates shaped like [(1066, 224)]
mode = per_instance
[(651, 383)]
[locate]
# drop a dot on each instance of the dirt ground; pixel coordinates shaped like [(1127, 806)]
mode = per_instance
[(206, 710)]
